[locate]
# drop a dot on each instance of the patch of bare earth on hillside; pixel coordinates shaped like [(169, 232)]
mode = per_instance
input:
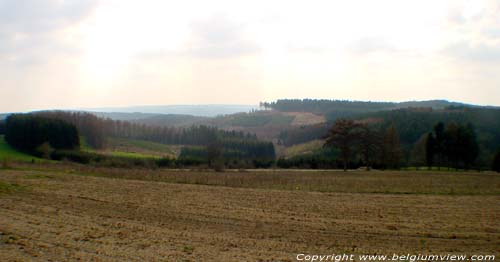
[(305, 119), (67, 218)]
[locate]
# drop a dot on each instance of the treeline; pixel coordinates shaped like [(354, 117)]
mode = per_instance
[(322, 106), (231, 154), (96, 130), (373, 147), (356, 144), (350, 144), (413, 122), (28, 132), (55, 135), (333, 109), (234, 149), (234, 143), (302, 134), (413, 125), (325, 158), (453, 145)]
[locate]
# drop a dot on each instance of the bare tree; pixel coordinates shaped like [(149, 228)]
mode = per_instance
[(215, 156), (344, 135), (369, 144), (391, 153), (418, 155)]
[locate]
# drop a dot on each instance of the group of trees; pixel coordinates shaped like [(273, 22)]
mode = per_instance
[(453, 145), (382, 140), (302, 134), (373, 146), (88, 125), (96, 130), (335, 109), (234, 144), (322, 106), (413, 125), (312, 161), (235, 154), (28, 132)]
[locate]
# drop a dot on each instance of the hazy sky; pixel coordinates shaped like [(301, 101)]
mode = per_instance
[(67, 54)]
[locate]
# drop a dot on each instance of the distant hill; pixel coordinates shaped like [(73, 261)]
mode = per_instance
[(164, 120), (124, 116), (289, 120), (333, 109), (195, 110), (171, 120), (3, 116)]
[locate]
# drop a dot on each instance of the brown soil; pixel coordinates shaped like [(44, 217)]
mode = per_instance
[(63, 217)]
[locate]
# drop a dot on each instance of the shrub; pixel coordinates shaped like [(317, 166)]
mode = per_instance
[(165, 162)]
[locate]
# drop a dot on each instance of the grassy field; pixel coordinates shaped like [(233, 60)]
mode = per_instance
[(65, 212), (7, 152), (135, 148)]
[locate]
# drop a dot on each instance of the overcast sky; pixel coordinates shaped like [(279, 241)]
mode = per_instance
[(68, 54)]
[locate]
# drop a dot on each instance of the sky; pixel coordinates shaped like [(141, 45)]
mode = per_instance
[(90, 53)]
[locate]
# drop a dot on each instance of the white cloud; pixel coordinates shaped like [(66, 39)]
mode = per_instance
[(100, 53), (217, 37), (32, 31), (480, 53)]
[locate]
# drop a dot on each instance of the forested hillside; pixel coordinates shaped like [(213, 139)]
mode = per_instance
[(96, 131), (333, 109), (288, 127), (412, 123)]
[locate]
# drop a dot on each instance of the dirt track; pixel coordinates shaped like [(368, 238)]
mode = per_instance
[(68, 218)]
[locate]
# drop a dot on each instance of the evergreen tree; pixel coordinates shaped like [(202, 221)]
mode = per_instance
[(496, 162), (430, 150), (471, 146), (27, 132)]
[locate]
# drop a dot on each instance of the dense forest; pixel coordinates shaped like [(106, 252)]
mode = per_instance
[(323, 106), (233, 143), (353, 144), (30, 132), (333, 109), (385, 135), (413, 124)]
